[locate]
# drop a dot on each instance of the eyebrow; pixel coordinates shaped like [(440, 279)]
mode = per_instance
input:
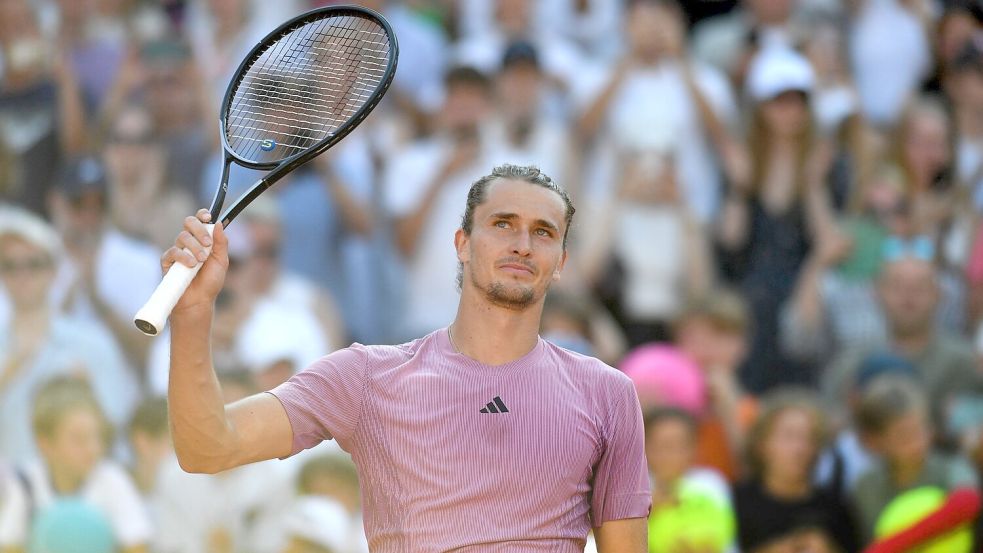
[(538, 222)]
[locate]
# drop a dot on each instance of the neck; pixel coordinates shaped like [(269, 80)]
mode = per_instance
[(32, 318), (63, 481), (905, 474), (913, 343), (491, 334), (786, 488)]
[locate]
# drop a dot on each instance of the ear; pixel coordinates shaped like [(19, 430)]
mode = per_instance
[(559, 266), (461, 242)]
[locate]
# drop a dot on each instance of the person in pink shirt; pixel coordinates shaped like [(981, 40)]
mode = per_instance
[(479, 437)]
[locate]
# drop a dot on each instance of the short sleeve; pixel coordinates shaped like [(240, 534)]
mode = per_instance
[(621, 485), (324, 401)]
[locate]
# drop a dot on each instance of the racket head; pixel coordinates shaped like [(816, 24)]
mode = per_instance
[(306, 85)]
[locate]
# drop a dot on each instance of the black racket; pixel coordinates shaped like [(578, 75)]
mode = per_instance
[(303, 88)]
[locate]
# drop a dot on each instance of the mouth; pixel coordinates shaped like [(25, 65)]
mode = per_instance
[(517, 268)]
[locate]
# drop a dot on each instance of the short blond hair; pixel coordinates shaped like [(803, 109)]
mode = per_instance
[(60, 396)]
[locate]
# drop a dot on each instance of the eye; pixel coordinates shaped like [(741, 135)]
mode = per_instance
[(502, 224), (544, 232)]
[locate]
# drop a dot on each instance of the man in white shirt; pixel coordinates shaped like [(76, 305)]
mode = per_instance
[(425, 187)]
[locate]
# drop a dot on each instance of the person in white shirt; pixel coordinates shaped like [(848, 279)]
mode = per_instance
[(72, 435), (424, 187), (657, 89), (108, 276)]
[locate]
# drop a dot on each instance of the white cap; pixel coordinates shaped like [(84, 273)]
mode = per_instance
[(19, 222), (778, 69)]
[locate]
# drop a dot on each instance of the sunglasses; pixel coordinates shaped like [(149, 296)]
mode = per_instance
[(30, 264), (920, 247)]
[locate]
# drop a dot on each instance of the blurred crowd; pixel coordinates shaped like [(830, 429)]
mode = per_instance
[(777, 237)]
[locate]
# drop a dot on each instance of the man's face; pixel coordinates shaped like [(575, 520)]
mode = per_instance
[(909, 295), (515, 250), (26, 272), (905, 441), (710, 345), (519, 89), (465, 108), (670, 449), (77, 444)]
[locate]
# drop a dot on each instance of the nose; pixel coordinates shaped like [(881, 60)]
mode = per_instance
[(522, 245)]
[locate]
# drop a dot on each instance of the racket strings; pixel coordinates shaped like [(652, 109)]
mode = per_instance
[(305, 86)]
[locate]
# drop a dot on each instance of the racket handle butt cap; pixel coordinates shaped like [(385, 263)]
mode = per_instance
[(152, 317)]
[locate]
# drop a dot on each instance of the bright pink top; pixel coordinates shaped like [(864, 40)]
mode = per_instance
[(452, 453)]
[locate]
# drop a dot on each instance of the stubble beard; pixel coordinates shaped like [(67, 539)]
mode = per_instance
[(514, 298)]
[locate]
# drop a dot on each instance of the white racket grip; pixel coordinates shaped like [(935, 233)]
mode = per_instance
[(152, 317)]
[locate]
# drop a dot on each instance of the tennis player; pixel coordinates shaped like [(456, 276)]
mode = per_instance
[(477, 437)]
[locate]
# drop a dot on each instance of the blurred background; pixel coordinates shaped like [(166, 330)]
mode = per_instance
[(777, 237)]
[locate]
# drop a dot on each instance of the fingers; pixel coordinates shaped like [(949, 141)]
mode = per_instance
[(174, 255)]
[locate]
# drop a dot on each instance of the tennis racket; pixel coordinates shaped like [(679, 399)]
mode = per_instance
[(303, 88)]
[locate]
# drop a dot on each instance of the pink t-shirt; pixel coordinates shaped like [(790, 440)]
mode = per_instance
[(456, 455)]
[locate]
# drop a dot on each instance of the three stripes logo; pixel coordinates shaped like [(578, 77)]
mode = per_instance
[(495, 406)]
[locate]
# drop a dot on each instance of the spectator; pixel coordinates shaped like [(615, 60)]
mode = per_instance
[(143, 204), (712, 330), (524, 127), (964, 88), (848, 455), (38, 342), (691, 507), (327, 514), (908, 292), (95, 47), (893, 418), (770, 222), (150, 439), (425, 187), (41, 113), (656, 95), (647, 290), (90, 285), (73, 434), (573, 321), (779, 506)]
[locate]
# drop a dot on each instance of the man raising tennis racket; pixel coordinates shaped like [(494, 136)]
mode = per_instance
[(477, 437)]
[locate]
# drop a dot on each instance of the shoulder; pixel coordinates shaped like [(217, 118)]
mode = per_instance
[(590, 370)]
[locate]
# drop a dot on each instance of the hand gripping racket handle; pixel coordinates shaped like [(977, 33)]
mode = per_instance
[(152, 317)]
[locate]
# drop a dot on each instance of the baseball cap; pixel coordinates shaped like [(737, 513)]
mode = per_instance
[(778, 69), (81, 175), (520, 52)]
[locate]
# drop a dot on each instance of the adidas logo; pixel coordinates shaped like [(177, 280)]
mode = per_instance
[(495, 406)]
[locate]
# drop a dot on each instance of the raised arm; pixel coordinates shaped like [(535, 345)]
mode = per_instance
[(209, 436)]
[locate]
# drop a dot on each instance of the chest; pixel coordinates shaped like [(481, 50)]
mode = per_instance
[(462, 430)]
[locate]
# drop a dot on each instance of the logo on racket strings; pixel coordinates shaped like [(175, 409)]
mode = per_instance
[(267, 145)]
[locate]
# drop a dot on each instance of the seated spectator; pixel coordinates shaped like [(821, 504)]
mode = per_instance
[(327, 516), (73, 435), (713, 331), (848, 455), (576, 322), (691, 507), (893, 419), (38, 342), (779, 507), (150, 441), (908, 291)]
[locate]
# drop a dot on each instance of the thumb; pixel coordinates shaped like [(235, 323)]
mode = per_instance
[(220, 242)]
